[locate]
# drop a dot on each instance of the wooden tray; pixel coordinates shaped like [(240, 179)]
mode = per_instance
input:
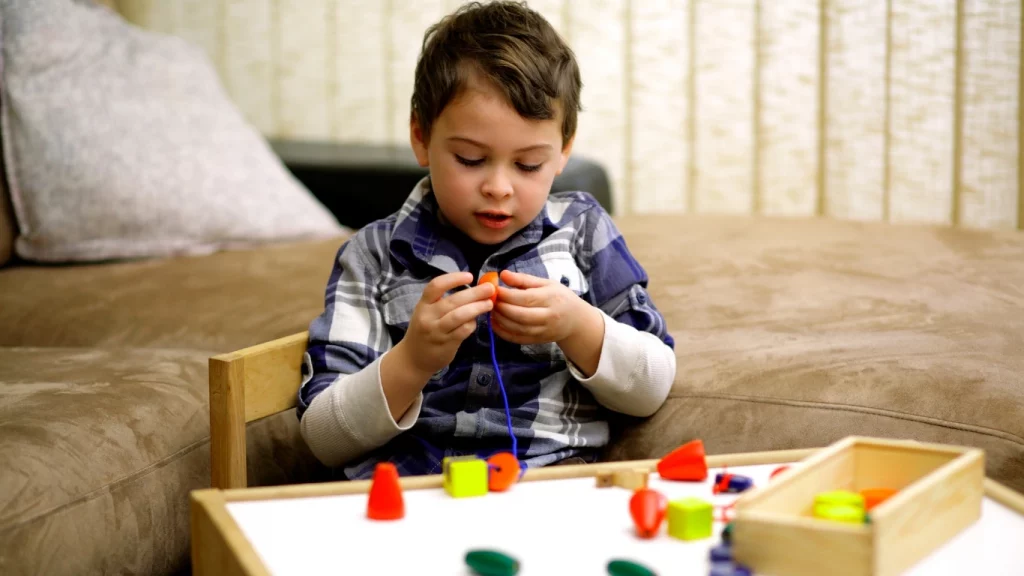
[(940, 494)]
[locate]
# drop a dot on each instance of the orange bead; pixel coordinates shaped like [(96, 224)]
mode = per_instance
[(491, 277), (504, 471), (875, 496)]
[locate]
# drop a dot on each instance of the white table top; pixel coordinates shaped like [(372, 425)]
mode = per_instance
[(552, 527)]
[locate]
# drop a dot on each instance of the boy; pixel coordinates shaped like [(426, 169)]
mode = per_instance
[(399, 367)]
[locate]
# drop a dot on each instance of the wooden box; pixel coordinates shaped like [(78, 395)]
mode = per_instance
[(940, 493)]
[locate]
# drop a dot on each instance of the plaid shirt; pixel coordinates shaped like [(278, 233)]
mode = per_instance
[(376, 282)]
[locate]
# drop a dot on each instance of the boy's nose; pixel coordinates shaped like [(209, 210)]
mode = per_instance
[(497, 184)]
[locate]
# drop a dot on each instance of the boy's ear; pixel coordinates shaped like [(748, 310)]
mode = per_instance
[(566, 151), (419, 144)]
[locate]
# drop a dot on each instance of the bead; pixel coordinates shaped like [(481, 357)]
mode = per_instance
[(840, 498), (647, 507), (503, 471), (721, 553), (491, 277), (839, 513), (728, 569), (875, 496), (731, 483), (685, 463), (491, 563), (385, 500), (628, 568), (465, 476), (690, 519), (727, 533)]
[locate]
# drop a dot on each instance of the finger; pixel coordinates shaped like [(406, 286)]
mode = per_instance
[(529, 297), (513, 337), (463, 314), (474, 294), (514, 327), (504, 334), (463, 331), (525, 315), (437, 287), (518, 280)]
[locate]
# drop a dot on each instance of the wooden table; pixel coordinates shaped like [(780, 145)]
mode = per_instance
[(555, 521)]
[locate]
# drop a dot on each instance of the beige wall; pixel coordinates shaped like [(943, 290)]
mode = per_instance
[(906, 110)]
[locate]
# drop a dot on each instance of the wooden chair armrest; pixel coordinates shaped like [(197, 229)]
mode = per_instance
[(247, 385)]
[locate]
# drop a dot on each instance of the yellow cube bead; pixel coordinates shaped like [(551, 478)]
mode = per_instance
[(690, 519), (464, 476)]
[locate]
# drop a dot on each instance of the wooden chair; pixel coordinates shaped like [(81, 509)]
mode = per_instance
[(247, 385)]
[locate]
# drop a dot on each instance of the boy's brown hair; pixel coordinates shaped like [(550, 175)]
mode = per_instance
[(508, 45)]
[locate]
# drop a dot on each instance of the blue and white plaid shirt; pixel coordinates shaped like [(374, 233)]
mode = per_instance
[(377, 280)]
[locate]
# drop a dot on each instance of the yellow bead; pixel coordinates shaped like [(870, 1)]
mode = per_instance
[(839, 513), (838, 498), (690, 519), (464, 476)]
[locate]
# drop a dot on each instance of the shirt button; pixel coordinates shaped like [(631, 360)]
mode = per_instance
[(565, 280), (483, 379), (641, 298)]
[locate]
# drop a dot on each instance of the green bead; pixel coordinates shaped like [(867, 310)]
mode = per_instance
[(491, 563), (727, 533), (627, 568)]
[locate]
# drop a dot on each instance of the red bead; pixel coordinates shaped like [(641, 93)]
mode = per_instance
[(503, 473), (385, 501), (648, 509), (685, 463)]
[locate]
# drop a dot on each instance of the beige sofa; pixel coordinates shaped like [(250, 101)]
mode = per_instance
[(790, 333)]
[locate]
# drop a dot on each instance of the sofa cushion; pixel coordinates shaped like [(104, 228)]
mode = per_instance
[(7, 227), (99, 450), (796, 333), (123, 144), (221, 302)]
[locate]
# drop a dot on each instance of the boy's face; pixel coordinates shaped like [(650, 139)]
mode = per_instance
[(490, 168)]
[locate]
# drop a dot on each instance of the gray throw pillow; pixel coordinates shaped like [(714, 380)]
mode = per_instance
[(121, 143)]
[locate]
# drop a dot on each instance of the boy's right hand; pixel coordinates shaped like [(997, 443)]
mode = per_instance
[(440, 323)]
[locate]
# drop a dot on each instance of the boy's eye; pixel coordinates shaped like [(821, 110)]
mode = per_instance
[(468, 162), (529, 167)]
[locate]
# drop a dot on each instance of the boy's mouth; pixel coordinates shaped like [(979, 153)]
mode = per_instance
[(494, 220)]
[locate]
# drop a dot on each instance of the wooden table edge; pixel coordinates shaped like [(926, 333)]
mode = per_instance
[(220, 547)]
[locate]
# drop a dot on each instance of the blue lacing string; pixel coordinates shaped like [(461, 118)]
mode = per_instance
[(504, 397)]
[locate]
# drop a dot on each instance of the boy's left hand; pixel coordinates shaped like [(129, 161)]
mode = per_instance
[(533, 310)]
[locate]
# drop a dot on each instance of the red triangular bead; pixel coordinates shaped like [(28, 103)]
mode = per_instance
[(385, 502), (685, 463)]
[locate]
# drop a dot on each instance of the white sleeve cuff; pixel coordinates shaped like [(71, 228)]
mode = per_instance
[(634, 373), (351, 417)]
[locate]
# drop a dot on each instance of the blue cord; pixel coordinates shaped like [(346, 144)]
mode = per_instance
[(504, 397)]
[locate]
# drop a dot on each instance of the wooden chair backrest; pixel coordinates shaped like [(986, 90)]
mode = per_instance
[(247, 385)]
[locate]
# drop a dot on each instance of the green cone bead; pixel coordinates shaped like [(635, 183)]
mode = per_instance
[(627, 568), (491, 563)]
